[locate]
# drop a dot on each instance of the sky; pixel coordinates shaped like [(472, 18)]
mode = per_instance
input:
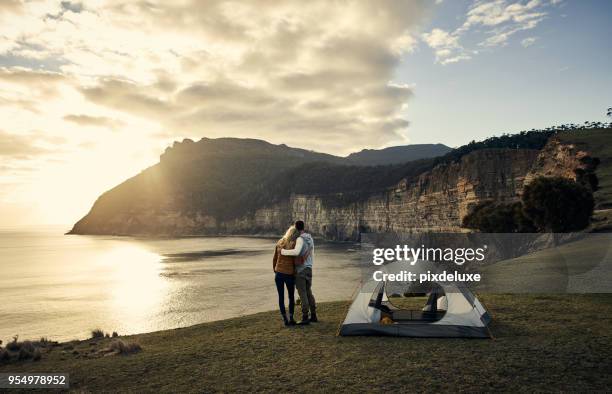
[(91, 92)]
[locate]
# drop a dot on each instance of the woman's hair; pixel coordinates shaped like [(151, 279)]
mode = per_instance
[(291, 235)]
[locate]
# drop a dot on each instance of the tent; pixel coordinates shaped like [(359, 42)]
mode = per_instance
[(451, 310)]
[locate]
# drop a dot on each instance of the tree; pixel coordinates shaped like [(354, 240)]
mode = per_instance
[(609, 113), (490, 217), (558, 204)]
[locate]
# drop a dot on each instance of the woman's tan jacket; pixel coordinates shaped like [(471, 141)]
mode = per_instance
[(283, 264)]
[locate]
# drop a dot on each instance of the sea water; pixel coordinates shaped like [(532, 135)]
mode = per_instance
[(63, 286)]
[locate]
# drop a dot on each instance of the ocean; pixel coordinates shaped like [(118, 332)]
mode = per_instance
[(63, 286)]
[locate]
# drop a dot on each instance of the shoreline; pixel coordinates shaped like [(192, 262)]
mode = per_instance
[(171, 237)]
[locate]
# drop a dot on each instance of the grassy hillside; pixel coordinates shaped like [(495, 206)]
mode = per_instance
[(542, 343), (599, 144)]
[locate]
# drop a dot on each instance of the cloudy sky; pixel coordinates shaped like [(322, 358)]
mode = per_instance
[(92, 91)]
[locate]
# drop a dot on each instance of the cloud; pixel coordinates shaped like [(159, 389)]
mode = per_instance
[(316, 74), (94, 121), (210, 68), (10, 6), (495, 13), (71, 6), (495, 21), (29, 85), (20, 75), (529, 41), (19, 146), (446, 46)]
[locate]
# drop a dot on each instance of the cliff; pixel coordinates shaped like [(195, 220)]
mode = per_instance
[(564, 159), (436, 201), (164, 201)]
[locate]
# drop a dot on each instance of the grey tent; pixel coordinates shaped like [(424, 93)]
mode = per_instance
[(451, 310)]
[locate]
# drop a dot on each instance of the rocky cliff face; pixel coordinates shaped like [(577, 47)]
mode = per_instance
[(437, 200), (558, 159)]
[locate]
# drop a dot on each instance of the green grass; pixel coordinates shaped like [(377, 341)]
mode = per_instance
[(599, 144), (542, 343)]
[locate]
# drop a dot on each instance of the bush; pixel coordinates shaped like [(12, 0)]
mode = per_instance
[(121, 347), (548, 205), (97, 334), (558, 204), (490, 217), (4, 355), (14, 345), (44, 342), (26, 351)]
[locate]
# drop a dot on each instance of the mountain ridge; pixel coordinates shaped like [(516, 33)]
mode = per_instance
[(397, 154), (369, 157), (225, 178), (231, 185)]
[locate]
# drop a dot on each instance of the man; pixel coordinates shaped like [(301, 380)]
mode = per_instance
[(304, 251)]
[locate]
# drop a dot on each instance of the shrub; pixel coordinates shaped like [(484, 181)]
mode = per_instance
[(4, 356), (97, 334), (14, 345), (121, 347), (115, 335), (558, 204), (44, 342), (26, 351), (548, 204), (490, 217)]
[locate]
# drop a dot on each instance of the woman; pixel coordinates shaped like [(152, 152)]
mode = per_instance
[(284, 268)]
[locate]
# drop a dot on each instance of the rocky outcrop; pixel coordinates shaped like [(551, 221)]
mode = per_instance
[(437, 200), (564, 160)]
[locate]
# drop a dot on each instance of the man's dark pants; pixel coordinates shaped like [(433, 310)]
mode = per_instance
[(303, 283)]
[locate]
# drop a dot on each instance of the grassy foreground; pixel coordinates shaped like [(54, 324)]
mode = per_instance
[(543, 343)]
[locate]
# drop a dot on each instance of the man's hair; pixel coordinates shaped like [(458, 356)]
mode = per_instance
[(299, 225)]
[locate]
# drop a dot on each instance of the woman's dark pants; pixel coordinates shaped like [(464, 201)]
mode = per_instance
[(282, 281)]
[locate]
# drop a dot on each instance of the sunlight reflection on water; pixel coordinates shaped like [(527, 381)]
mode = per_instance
[(137, 288), (63, 286)]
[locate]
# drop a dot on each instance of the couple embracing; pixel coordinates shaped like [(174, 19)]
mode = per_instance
[(292, 263)]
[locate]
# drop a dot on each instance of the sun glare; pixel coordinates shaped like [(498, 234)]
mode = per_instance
[(136, 290)]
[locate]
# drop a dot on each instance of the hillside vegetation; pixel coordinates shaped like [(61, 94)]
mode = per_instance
[(545, 343), (397, 154)]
